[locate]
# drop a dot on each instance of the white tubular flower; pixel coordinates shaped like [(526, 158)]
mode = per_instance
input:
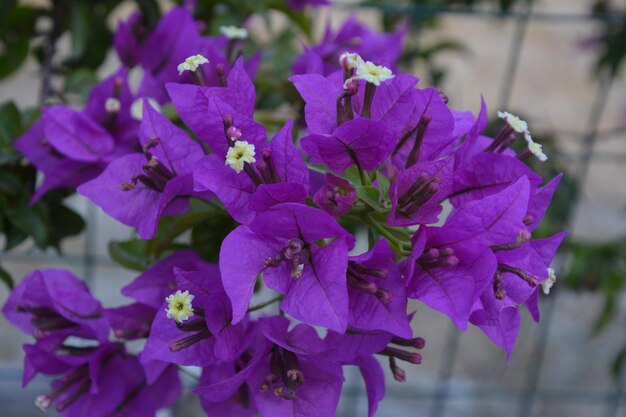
[(535, 148), (547, 285), (372, 73), (239, 154), (350, 60), (192, 63), (233, 32), (112, 105), (179, 306), (43, 402), (517, 124)]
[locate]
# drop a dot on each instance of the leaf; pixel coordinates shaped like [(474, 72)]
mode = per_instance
[(16, 29), (176, 227), (29, 221), (10, 123), (64, 222), (6, 278), (617, 366), (383, 183), (132, 254), (352, 175), (370, 195)]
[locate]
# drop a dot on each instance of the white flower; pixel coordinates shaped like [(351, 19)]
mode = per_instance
[(535, 148), (112, 105), (372, 73), (547, 285), (239, 154), (192, 63), (136, 109), (350, 60), (179, 306), (43, 402), (515, 122), (233, 32)]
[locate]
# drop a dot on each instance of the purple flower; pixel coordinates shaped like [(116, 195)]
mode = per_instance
[(249, 179), (376, 292), (488, 173), (100, 381), (288, 375), (71, 147), (323, 58), (54, 304), (417, 193), (361, 142), (336, 197), (204, 337), (301, 4), (127, 39), (429, 131), (137, 189), (281, 244), (177, 37), (58, 170), (158, 281), (452, 265), (203, 108)]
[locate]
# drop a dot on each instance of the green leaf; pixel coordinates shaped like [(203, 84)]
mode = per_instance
[(177, 226), (383, 183), (29, 220), (16, 30), (80, 82), (370, 195), (6, 278), (81, 23), (352, 175), (132, 254), (10, 123), (64, 222), (618, 363)]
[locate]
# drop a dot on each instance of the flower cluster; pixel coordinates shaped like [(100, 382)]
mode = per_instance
[(448, 212)]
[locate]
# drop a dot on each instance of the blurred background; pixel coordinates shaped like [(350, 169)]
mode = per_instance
[(556, 63)]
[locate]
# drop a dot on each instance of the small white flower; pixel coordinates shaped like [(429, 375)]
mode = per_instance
[(43, 402), (136, 109), (372, 73), (239, 154), (179, 306), (350, 59), (517, 124), (547, 285), (112, 105), (233, 32), (192, 63), (535, 148)]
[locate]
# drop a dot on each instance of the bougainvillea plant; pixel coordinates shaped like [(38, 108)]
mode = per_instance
[(324, 229)]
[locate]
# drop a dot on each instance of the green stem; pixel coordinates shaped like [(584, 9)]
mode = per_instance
[(403, 246), (265, 303)]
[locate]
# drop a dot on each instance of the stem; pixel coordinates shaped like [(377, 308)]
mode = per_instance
[(49, 51), (265, 303), (386, 233)]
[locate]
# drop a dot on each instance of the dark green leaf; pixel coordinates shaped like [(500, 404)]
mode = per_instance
[(132, 254), (29, 220), (6, 278), (10, 123)]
